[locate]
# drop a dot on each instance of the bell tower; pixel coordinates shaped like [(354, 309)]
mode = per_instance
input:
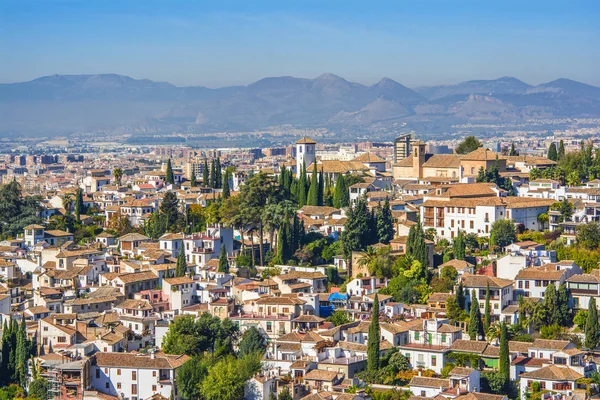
[(305, 153), (418, 153)]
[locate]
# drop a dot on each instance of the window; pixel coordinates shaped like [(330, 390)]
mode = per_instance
[(106, 385), (443, 338), (433, 361), (118, 372), (471, 224), (154, 374), (560, 360), (526, 284), (118, 385), (97, 373), (133, 374), (416, 335), (154, 388), (62, 339), (269, 326), (133, 389)]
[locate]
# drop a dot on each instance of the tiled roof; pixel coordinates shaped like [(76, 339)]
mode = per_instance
[(553, 373), (135, 360), (481, 281), (423, 381)]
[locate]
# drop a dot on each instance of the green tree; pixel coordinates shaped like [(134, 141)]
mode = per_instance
[(338, 318), (313, 190), (285, 394), (481, 175), (588, 235), (78, 204), (193, 182), (416, 246), (475, 327), (552, 152), (356, 229), (191, 374), (302, 187), (170, 209), (226, 189), (486, 315), (181, 265), (513, 150), (503, 233), (374, 338), (169, 177), (226, 379), (341, 194), (321, 189), (561, 150), (469, 144), (504, 364), (459, 246), (118, 175), (205, 174), (218, 174), (385, 223), (223, 262), (591, 325), (564, 316), (252, 342), (580, 318), (460, 295)]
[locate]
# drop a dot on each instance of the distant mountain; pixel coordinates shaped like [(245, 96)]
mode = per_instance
[(488, 87), (64, 104)]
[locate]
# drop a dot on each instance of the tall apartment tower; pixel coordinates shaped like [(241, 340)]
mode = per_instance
[(305, 153), (402, 147)]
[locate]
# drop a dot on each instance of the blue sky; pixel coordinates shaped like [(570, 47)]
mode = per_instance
[(217, 43)]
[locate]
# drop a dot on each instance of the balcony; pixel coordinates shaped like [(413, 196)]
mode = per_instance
[(285, 317)]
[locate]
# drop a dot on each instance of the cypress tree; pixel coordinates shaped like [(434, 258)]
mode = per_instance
[(561, 150), (282, 242), (513, 151), (591, 325), (385, 223), (504, 365), (213, 174), (193, 178), (313, 191), (205, 174), (374, 338), (340, 193), (459, 246), (22, 354), (181, 265), (321, 188), (486, 316), (564, 312), (460, 295), (218, 174), (223, 262), (169, 177), (226, 190), (552, 152), (301, 187), (475, 328), (78, 204)]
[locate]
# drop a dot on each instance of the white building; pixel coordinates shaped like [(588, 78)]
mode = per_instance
[(305, 153)]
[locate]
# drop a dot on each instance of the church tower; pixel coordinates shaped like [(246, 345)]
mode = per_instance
[(305, 153), (418, 153)]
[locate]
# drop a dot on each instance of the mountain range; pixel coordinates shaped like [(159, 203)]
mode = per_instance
[(111, 103)]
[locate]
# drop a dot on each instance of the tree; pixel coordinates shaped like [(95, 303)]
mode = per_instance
[(191, 374), (118, 175), (313, 190), (486, 316), (321, 188), (226, 378), (459, 247), (341, 195), (561, 150), (552, 152), (193, 337), (513, 151), (338, 318), (223, 262), (504, 364), (205, 174), (503, 233), (169, 177), (469, 144), (580, 318), (252, 342), (78, 204), (460, 295), (475, 328), (302, 187), (591, 325), (356, 229), (285, 394), (218, 174), (481, 175), (563, 315), (416, 246), (226, 190), (385, 223), (170, 209), (588, 235), (38, 389), (193, 182), (181, 265), (374, 338)]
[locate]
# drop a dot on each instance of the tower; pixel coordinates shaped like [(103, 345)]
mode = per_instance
[(418, 152), (305, 153)]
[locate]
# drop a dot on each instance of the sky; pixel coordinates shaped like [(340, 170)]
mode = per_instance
[(222, 43)]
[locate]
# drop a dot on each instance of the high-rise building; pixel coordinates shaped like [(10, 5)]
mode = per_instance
[(402, 147)]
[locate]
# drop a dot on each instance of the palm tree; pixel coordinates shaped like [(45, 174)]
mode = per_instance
[(368, 257), (118, 174), (66, 199)]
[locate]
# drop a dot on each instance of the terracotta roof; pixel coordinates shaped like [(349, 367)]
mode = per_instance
[(584, 278), (135, 304), (459, 265), (423, 381), (481, 281), (306, 140), (550, 344), (132, 237), (553, 373), (540, 273), (442, 161), (469, 346), (369, 158), (135, 360), (136, 276), (482, 154), (320, 375)]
